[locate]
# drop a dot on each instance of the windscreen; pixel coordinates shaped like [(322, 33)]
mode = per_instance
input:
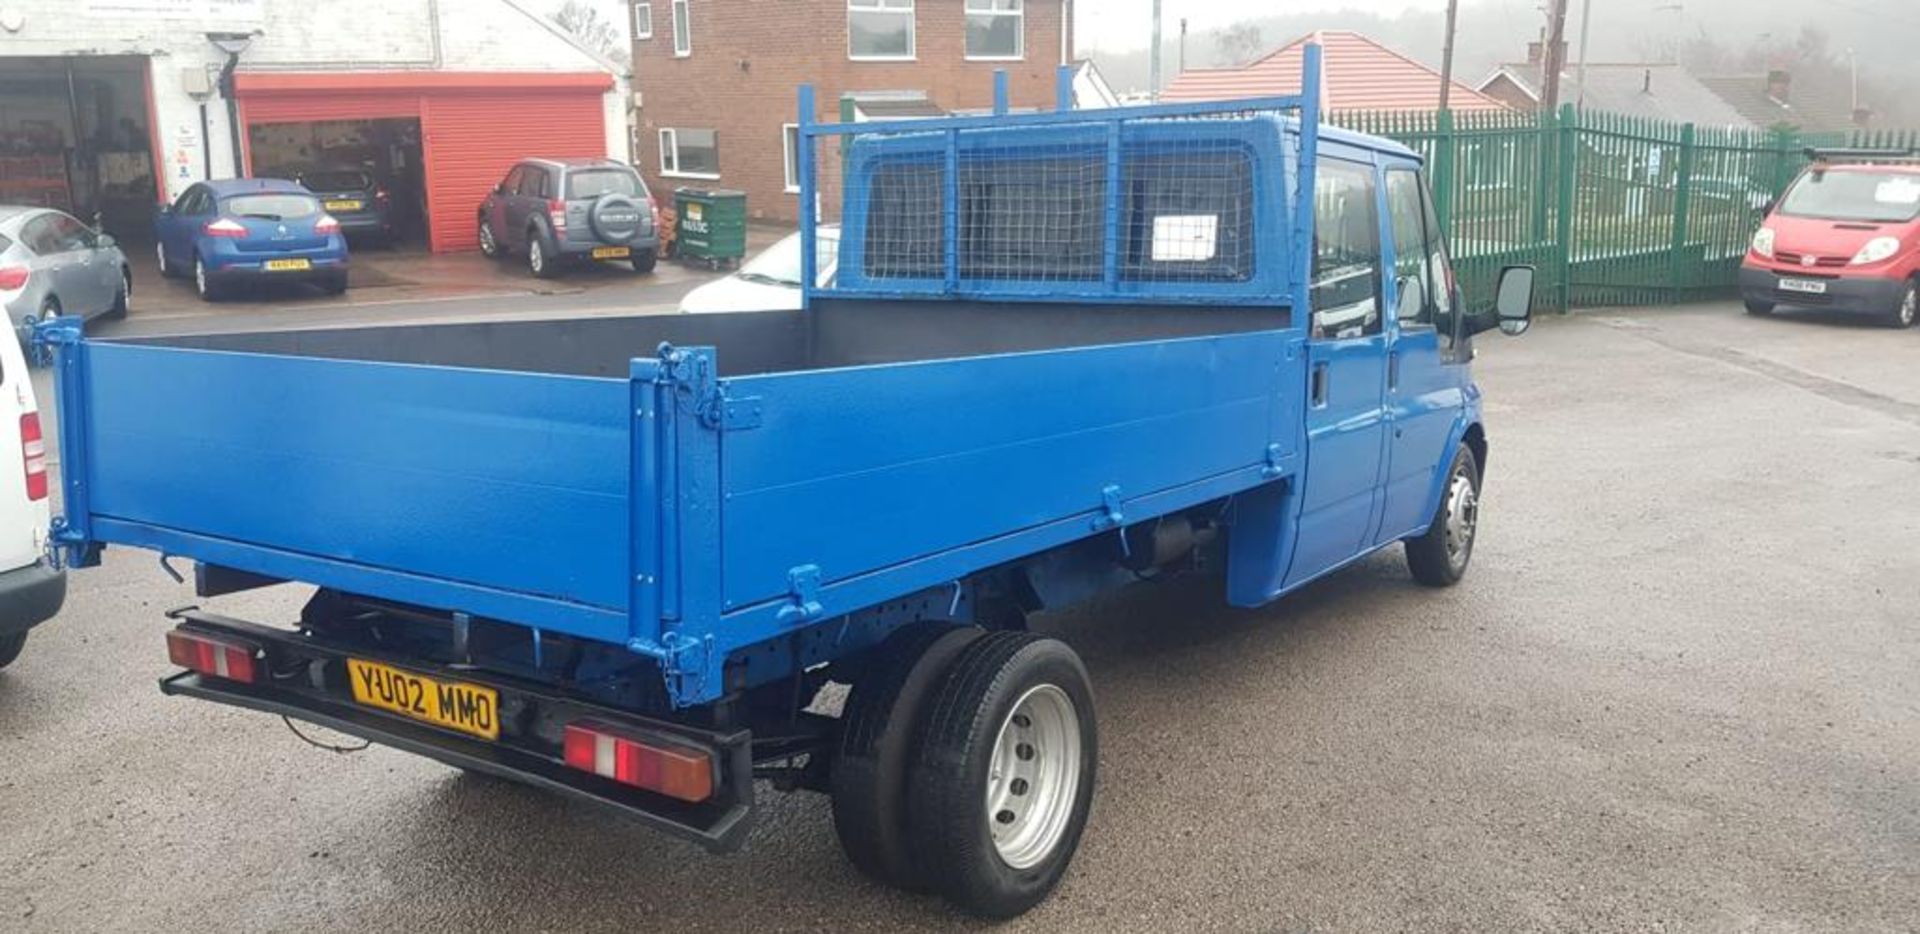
[(337, 180), (271, 207), (597, 182), (1855, 195), (780, 263)]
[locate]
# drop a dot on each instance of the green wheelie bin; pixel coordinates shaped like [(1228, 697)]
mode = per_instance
[(713, 225)]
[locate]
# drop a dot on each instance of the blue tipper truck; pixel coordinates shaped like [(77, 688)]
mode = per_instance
[(618, 558)]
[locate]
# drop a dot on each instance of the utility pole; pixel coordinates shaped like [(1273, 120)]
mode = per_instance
[(1586, 19), (1183, 46), (1555, 58), (1446, 54), (1153, 58)]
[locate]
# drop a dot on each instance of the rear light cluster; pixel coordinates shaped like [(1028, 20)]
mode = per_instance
[(557, 214), (380, 194), (613, 753), (13, 277), (213, 655), (33, 453), (326, 225), (224, 227)]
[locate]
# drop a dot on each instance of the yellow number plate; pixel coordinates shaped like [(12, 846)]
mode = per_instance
[(611, 252), (455, 705), (285, 265), (343, 205)]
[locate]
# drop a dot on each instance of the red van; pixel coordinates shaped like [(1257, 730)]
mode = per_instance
[(1845, 236)]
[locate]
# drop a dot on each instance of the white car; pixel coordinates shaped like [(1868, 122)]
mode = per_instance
[(31, 589), (769, 281)]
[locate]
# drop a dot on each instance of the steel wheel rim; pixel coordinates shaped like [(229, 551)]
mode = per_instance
[(1463, 514), (160, 255), (1907, 306), (487, 245), (1034, 776)]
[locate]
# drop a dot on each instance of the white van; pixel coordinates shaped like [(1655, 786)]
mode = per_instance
[(31, 590)]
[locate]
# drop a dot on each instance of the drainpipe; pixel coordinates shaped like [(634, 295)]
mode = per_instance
[(1066, 32), (232, 43)]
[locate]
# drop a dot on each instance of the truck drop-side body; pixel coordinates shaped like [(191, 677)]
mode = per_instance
[(675, 523)]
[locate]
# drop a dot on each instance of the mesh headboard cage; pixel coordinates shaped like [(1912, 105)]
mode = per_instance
[(1184, 203)]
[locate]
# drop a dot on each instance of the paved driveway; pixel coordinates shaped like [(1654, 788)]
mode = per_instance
[(1677, 691)]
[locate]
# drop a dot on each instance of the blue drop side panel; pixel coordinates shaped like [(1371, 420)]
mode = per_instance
[(861, 469), (511, 481)]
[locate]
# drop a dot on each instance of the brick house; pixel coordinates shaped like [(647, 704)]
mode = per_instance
[(717, 78)]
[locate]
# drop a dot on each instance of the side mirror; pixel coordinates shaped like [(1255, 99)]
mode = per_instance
[(106, 242), (500, 188), (166, 210), (1412, 297), (1513, 300)]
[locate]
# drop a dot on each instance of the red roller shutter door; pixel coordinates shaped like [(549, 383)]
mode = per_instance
[(473, 127), (472, 139)]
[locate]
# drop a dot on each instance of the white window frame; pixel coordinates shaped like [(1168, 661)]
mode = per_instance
[(682, 28), (873, 6), (790, 156), (1020, 15), (670, 156), (643, 20)]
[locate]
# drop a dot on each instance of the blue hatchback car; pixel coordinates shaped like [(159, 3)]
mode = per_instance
[(259, 229)]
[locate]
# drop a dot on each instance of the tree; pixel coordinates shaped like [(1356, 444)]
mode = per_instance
[(584, 22), (1240, 43)]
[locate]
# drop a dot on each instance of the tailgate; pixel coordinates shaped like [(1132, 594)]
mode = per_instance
[(496, 493)]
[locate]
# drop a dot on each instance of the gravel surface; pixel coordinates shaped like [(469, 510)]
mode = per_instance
[(1678, 690)]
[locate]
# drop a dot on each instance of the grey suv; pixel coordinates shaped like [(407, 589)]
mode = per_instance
[(555, 210)]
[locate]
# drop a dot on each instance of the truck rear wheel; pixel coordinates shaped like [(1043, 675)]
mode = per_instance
[(999, 792), (1439, 557), (10, 647), (878, 729)]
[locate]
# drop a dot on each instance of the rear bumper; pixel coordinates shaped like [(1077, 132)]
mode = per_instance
[(1858, 294), (254, 270), (583, 249), (30, 596), (307, 681), (363, 223)]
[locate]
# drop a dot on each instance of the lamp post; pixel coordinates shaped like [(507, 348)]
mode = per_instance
[(232, 43)]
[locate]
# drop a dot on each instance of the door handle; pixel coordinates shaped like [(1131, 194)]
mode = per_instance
[(1318, 390), (1393, 370)]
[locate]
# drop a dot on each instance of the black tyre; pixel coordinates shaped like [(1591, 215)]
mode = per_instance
[(210, 290), (168, 269), (49, 308), (334, 285), (542, 259), (1758, 307), (489, 244), (1439, 557), (999, 791), (123, 299), (10, 647), (1903, 314), (877, 737), (644, 260)]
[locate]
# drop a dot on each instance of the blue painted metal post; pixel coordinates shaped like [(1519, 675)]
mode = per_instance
[(803, 164), (950, 212), (1063, 88), (1110, 257), (73, 529), (643, 501), (1309, 155), (1000, 91)]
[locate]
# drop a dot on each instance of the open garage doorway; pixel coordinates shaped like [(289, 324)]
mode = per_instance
[(76, 135), (370, 173)]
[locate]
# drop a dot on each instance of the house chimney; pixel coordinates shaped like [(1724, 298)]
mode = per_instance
[(1535, 50), (1862, 117), (1780, 85)]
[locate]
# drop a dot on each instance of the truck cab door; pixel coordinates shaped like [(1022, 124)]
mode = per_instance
[(1426, 363), (1346, 373)]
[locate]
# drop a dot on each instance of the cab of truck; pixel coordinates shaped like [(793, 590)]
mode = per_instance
[(1844, 237)]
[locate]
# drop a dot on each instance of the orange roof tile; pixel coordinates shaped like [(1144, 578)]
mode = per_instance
[(1358, 74)]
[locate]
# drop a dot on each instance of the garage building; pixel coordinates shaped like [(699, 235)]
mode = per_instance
[(108, 107)]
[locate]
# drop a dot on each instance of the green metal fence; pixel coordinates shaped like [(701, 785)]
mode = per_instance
[(1611, 209)]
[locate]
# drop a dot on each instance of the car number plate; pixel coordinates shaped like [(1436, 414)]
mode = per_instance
[(285, 265), (611, 252), (1810, 286), (455, 705), (344, 205)]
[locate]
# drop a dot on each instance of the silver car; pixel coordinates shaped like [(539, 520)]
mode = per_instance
[(51, 264)]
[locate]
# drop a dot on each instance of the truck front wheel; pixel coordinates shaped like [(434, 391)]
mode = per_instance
[(1439, 557), (999, 793)]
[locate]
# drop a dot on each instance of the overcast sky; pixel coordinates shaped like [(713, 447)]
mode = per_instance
[(1120, 24)]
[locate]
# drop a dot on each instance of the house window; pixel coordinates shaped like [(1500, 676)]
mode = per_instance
[(687, 153), (790, 150), (682, 29), (643, 21), (880, 30), (996, 29)]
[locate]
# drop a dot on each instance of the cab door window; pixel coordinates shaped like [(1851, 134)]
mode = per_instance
[(1424, 278), (1345, 291)]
